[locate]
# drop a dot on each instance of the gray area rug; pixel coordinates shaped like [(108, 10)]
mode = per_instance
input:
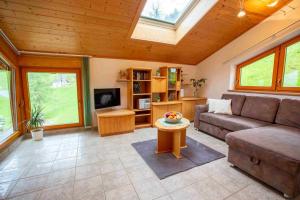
[(165, 164)]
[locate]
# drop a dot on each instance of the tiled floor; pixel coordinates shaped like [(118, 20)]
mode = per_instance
[(84, 166)]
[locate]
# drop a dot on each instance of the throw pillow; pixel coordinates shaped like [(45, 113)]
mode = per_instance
[(212, 104), (223, 107)]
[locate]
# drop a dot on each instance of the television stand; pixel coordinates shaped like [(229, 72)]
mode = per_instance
[(114, 122)]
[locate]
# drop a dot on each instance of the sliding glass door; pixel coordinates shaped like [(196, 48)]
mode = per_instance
[(6, 104), (57, 93)]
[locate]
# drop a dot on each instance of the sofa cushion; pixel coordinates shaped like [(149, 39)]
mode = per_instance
[(231, 122), (237, 102), (260, 108), (275, 144), (289, 113)]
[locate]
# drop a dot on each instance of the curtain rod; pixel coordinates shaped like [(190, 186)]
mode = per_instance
[(7, 40), (53, 54)]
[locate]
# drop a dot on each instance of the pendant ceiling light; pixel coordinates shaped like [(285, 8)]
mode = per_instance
[(273, 3), (242, 11)]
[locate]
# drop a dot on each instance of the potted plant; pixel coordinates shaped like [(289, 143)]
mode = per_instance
[(35, 123), (197, 83)]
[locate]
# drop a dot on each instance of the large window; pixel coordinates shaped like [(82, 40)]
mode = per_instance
[(167, 11), (58, 94), (6, 103), (275, 70)]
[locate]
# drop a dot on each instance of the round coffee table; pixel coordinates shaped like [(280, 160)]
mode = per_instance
[(171, 137)]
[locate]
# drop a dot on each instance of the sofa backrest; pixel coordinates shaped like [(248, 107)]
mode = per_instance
[(237, 102), (289, 113), (260, 108)]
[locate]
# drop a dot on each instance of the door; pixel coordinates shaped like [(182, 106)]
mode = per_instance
[(57, 92)]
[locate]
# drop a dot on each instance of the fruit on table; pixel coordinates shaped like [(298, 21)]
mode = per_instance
[(173, 115)]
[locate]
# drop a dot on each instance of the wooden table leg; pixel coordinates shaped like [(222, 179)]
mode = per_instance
[(176, 144), (164, 142), (183, 139)]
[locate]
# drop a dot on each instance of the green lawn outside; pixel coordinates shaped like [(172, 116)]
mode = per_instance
[(292, 66), (60, 105), (5, 113), (258, 73)]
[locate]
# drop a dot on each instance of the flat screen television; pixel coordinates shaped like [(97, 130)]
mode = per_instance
[(107, 97)]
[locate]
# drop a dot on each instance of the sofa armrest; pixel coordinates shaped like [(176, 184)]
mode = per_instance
[(198, 110)]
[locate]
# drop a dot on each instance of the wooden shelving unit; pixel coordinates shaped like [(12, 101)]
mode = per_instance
[(173, 83), (140, 87)]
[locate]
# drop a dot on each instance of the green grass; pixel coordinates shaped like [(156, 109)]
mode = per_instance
[(5, 112), (60, 105)]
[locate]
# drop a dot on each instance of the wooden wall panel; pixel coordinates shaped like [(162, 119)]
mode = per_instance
[(49, 61)]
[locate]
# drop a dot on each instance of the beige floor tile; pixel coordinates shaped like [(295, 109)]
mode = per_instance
[(28, 196), (29, 185), (5, 188), (10, 175), (149, 189), (209, 189), (126, 192), (131, 160), (111, 165), (187, 193), (64, 154), (91, 194), (63, 192), (60, 177), (178, 181), (38, 169), (85, 186), (87, 159), (64, 164), (87, 171), (115, 179), (166, 197), (257, 192), (139, 172)]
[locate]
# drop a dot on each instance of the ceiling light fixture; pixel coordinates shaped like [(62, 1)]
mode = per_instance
[(242, 11), (273, 3)]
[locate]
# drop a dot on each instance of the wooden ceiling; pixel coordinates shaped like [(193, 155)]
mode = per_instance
[(102, 28)]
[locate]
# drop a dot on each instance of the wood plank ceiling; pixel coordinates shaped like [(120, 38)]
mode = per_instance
[(102, 28)]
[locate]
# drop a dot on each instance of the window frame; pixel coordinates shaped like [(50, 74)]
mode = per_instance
[(278, 70), (6, 65), (78, 72), (282, 59), (274, 51), (162, 23)]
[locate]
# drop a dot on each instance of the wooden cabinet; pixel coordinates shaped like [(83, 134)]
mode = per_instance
[(115, 122), (160, 108), (188, 106), (159, 85)]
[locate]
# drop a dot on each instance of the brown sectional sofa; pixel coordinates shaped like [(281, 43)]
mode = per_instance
[(263, 135)]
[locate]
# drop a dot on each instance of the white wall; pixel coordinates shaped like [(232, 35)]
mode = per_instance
[(219, 68), (104, 73)]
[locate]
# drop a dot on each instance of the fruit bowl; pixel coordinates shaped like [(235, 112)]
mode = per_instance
[(173, 117)]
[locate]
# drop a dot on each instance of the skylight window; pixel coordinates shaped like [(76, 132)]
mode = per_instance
[(167, 11)]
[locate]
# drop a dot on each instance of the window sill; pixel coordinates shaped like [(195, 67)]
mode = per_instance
[(266, 92), (10, 140)]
